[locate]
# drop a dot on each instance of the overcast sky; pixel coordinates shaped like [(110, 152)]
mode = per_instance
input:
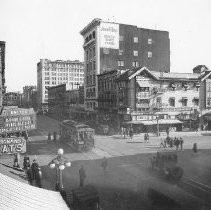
[(35, 29)]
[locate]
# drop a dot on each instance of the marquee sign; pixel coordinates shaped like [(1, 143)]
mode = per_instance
[(109, 35), (12, 145)]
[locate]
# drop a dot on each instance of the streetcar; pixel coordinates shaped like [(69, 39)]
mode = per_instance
[(79, 136)]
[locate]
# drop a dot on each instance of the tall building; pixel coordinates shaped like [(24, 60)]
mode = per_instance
[(52, 73), (2, 70), (108, 46)]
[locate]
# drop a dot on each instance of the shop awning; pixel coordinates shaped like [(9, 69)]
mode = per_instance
[(154, 122), (17, 195)]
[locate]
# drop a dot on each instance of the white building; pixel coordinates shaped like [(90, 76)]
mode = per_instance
[(52, 73)]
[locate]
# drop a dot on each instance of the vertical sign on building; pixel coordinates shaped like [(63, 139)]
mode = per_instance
[(109, 35)]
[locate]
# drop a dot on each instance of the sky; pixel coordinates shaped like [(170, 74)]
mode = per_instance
[(36, 29)]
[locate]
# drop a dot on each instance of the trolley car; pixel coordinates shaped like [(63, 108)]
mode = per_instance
[(79, 136)]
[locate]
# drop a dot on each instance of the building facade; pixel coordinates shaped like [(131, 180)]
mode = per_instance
[(2, 71), (65, 102), (29, 99), (12, 99), (52, 73), (139, 95), (108, 46)]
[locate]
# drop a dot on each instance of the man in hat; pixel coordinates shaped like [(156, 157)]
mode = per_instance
[(82, 175)]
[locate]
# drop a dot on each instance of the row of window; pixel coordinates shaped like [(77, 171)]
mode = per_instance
[(62, 65), (135, 39), (90, 53), (65, 70), (135, 52)]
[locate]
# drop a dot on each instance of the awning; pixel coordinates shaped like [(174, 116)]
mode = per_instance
[(143, 83), (154, 122), (17, 195)]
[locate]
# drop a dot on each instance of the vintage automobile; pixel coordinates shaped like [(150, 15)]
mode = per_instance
[(165, 162), (79, 136), (84, 198)]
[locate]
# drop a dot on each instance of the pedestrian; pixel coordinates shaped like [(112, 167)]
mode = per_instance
[(177, 143), (167, 131), (195, 149), (26, 162), (54, 135), (38, 177), (131, 133), (29, 174), (124, 132), (82, 175), (34, 167), (147, 136), (17, 160), (104, 164), (181, 143), (49, 136), (162, 144)]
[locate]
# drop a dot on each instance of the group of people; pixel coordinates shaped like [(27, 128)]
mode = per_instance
[(33, 171), (127, 132), (171, 142)]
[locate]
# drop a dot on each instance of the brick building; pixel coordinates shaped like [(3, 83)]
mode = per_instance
[(2, 70), (108, 46)]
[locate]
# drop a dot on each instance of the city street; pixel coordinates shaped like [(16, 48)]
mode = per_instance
[(128, 176), (129, 164)]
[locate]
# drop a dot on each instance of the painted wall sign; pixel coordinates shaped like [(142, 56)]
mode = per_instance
[(12, 145), (109, 35)]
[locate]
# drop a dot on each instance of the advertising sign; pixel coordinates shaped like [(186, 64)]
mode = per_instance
[(15, 120), (12, 145), (109, 35)]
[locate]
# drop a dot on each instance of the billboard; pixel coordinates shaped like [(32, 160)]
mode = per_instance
[(12, 145), (16, 120), (109, 35)]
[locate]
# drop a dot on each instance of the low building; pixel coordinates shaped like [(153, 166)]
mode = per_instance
[(64, 102), (12, 99)]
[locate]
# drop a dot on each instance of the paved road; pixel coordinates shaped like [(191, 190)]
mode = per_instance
[(128, 164)]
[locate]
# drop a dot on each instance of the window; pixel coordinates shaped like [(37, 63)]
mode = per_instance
[(135, 39), (184, 101), (158, 99), (93, 51), (172, 102), (135, 53), (135, 64), (120, 63), (121, 38), (105, 51), (149, 54), (196, 101), (149, 41), (120, 52)]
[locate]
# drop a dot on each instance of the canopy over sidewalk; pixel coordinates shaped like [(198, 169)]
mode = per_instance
[(154, 122), (16, 195)]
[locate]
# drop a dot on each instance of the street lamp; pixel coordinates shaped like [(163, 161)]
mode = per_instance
[(59, 163)]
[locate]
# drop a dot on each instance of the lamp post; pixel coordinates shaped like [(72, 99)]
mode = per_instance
[(157, 118), (59, 163)]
